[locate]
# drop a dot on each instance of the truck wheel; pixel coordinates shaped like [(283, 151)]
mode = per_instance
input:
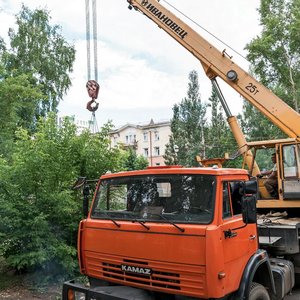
[(258, 292)]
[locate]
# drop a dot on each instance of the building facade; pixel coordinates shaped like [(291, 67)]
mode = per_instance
[(148, 140), (81, 125)]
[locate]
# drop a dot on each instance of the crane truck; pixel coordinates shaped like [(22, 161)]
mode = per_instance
[(183, 233)]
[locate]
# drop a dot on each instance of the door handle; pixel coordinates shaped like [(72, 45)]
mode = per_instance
[(252, 237)]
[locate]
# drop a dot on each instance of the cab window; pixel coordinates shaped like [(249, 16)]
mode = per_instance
[(231, 199), (289, 154)]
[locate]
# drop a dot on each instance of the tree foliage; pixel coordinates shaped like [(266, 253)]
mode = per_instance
[(18, 100), (132, 161), (192, 135), (275, 60), (94, 154), (219, 137), (187, 127), (39, 50), (39, 211), (256, 127)]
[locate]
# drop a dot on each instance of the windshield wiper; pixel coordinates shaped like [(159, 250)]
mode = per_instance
[(139, 221), (142, 223), (169, 221), (110, 218)]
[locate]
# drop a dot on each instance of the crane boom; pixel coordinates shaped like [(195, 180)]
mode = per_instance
[(218, 64)]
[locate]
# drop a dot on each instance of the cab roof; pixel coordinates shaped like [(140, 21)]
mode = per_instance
[(270, 143), (178, 170)]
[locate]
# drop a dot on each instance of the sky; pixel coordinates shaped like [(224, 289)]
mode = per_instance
[(142, 71)]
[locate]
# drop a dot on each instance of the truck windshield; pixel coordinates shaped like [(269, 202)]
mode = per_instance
[(178, 198)]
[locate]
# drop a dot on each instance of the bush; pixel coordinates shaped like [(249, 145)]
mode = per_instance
[(39, 212)]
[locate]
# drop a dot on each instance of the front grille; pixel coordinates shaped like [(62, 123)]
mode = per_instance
[(166, 280), (165, 276), (157, 278)]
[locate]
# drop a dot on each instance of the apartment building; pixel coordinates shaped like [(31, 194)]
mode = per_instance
[(148, 140), (81, 125)]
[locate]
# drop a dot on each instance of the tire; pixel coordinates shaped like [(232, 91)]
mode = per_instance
[(258, 292)]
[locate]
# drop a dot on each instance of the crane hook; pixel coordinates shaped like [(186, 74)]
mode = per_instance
[(91, 107)]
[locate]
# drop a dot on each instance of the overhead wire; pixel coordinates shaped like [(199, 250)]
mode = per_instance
[(203, 28)]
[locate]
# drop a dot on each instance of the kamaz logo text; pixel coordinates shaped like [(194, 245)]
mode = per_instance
[(165, 19), (137, 270)]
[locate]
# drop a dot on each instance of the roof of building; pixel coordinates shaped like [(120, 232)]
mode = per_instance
[(150, 125)]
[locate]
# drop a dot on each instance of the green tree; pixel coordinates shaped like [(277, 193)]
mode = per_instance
[(275, 61), (18, 100), (171, 151), (93, 153), (39, 50), (256, 126), (132, 161), (38, 209), (219, 138), (187, 127)]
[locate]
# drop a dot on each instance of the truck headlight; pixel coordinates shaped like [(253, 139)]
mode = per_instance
[(75, 295)]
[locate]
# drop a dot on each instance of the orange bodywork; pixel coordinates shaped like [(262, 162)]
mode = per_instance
[(198, 262)]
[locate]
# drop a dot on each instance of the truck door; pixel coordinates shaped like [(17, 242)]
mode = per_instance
[(239, 241), (290, 171)]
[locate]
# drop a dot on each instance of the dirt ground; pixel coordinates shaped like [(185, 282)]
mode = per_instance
[(17, 287), (22, 293)]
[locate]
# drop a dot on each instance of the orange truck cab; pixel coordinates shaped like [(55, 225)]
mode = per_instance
[(176, 233)]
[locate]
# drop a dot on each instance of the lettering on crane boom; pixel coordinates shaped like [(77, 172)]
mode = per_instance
[(252, 88), (164, 19)]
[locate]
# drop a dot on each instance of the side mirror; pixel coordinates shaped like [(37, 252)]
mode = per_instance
[(249, 209), (83, 183), (249, 187), (248, 190)]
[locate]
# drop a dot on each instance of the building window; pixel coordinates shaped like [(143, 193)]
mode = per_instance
[(156, 136), (130, 139), (146, 152), (145, 136), (115, 141), (156, 151)]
